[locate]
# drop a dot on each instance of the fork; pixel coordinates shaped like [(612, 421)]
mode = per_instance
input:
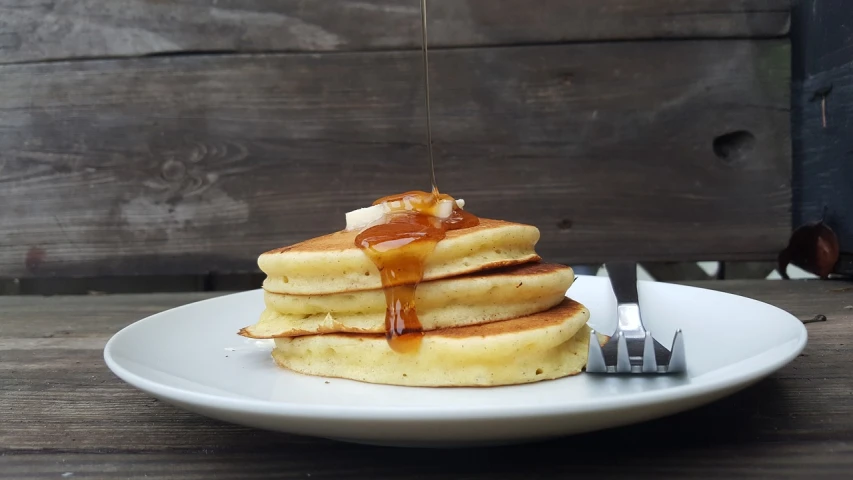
[(635, 350)]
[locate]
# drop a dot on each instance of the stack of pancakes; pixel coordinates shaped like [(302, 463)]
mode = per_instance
[(491, 312)]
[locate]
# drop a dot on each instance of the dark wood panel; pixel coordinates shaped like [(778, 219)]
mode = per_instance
[(196, 164), (63, 411), (780, 460), (59, 29), (821, 118)]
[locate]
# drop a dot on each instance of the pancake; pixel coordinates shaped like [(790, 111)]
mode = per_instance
[(542, 346), (333, 264), (477, 298)]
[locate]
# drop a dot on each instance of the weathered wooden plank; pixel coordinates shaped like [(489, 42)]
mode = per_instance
[(821, 119), (61, 29), (196, 164), (780, 460), (212, 282), (62, 411), (82, 315)]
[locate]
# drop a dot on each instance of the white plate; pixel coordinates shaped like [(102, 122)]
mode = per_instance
[(192, 357)]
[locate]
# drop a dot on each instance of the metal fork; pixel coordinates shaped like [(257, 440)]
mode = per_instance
[(634, 349)]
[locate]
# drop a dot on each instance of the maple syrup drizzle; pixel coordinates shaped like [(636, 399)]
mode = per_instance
[(399, 248)]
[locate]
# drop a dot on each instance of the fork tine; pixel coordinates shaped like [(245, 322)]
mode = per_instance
[(595, 358), (623, 362), (650, 363), (677, 360)]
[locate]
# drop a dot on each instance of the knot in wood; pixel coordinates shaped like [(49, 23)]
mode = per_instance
[(734, 146), (173, 170)]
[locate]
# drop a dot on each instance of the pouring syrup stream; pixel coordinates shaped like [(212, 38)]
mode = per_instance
[(425, 49)]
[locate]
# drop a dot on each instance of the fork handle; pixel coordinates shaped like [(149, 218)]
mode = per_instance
[(623, 279)]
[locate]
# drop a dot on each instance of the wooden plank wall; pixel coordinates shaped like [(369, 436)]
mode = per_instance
[(821, 119), (63, 29), (151, 138)]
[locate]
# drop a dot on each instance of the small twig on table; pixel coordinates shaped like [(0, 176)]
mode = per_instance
[(817, 318)]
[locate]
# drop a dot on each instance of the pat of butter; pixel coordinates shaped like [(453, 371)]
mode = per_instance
[(374, 214)]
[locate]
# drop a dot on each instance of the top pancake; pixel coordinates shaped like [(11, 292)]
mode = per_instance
[(334, 264)]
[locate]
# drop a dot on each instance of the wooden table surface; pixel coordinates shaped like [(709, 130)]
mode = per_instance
[(63, 414)]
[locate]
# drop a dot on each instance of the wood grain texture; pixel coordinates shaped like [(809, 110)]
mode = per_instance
[(62, 29), (175, 165), (63, 411)]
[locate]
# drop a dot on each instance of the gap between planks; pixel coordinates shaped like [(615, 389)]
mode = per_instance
[(283, 52)]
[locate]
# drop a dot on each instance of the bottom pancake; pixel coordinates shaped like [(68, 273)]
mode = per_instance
[(542, 346)]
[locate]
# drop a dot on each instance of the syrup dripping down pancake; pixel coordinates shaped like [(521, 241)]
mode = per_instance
[(471, 299), (333, 264)]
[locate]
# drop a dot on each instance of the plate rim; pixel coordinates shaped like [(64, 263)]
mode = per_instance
[(686, 391)]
